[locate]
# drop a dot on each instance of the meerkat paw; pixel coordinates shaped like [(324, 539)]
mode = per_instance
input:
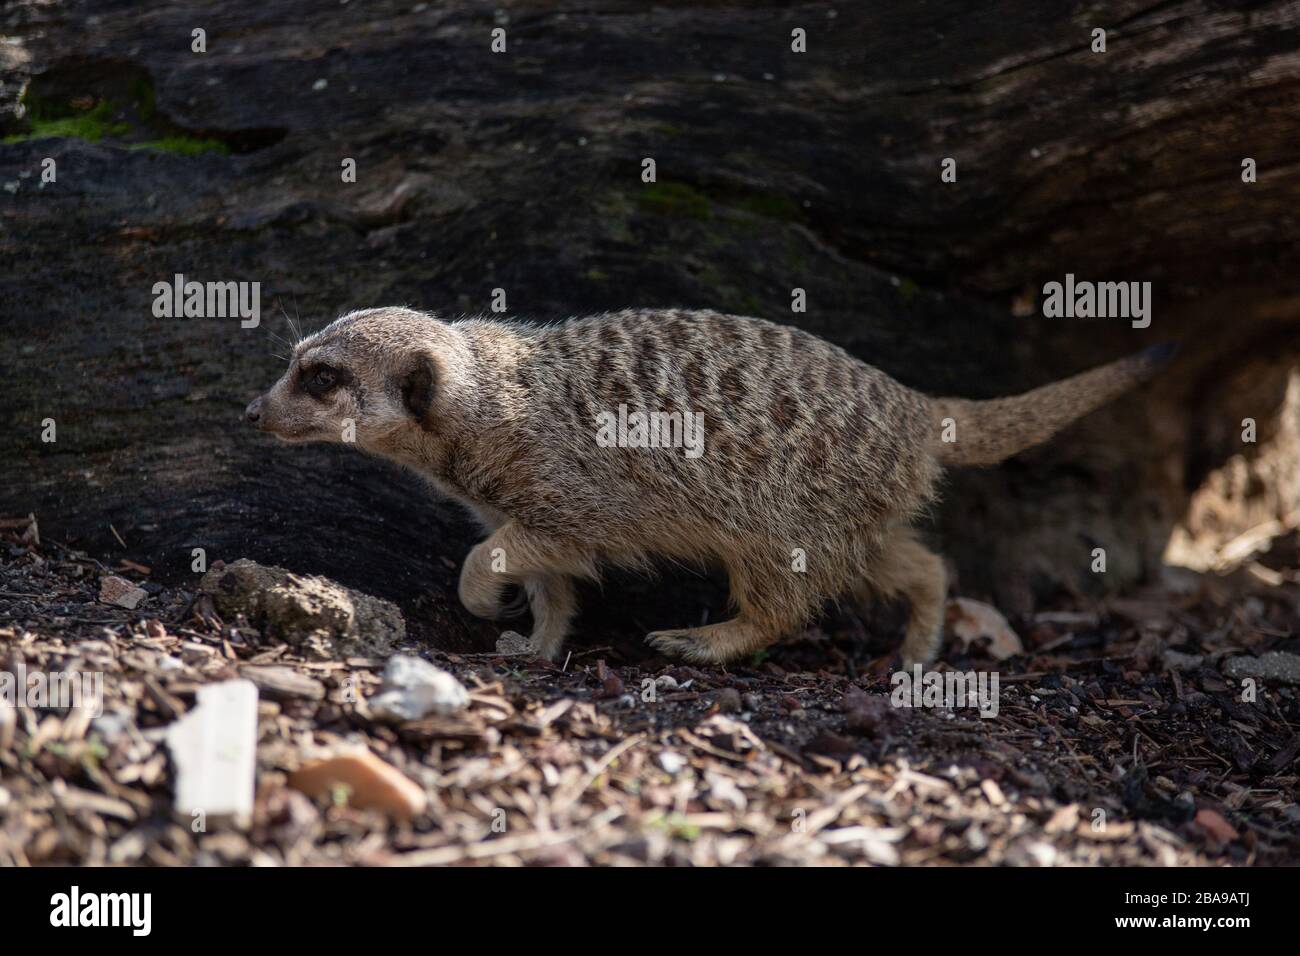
[(546, 649), (921, 645), (682, 643), (712, 644)]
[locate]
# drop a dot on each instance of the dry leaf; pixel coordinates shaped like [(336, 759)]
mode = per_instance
[(973, 620)]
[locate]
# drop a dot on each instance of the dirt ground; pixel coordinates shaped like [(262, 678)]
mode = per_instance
[(1123, 735)]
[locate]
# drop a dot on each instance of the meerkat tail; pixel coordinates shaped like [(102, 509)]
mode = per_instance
[(987, 432)]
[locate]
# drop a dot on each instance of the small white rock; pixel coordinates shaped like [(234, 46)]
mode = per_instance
[(413, 688), (1043, 854), (671, 763)]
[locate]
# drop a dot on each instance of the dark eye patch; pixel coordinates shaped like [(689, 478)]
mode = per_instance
[(320, 379)]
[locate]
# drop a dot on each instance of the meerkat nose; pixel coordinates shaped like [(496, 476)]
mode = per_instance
[(254, 411)]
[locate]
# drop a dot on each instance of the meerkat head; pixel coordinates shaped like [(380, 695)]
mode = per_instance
[(366, 378)]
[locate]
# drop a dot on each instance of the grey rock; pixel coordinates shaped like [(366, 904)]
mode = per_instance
[(727, 699), (513, 644), (1276, 666), (296, 607)]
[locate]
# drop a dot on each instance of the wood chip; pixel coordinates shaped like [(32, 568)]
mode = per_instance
[(283, 683)]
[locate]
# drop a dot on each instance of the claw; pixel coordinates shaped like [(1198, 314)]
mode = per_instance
[(674, 644)]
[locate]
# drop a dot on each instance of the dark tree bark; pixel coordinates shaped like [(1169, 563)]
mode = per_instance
[(521, 171)]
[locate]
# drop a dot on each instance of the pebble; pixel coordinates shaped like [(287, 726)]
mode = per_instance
[(1042, 854), (513, 644), (1274, 666), (727, 699), (671, 763), (865, 714), (413, 689)]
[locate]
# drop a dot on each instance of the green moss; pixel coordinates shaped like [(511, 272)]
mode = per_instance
[(675, 199), (52, 117), (91, 125), (908, 290), (184, 145), (596, 275)]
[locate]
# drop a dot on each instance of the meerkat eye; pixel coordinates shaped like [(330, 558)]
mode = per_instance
[(319, 382)]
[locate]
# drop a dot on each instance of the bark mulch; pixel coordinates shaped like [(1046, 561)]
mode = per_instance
[(1124, 735)]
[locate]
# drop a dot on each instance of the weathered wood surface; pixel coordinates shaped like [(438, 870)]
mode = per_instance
[(521, 171)]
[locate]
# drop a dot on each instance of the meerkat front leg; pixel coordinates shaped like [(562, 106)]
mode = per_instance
[(511, 555), (543, 566), (554, 603)]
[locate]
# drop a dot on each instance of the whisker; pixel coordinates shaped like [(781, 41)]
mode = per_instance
[(289, 322)]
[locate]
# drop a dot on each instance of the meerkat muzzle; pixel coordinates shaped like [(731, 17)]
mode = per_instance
[(253, 413)]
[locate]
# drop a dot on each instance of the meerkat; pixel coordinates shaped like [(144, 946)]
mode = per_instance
[(813, 467)]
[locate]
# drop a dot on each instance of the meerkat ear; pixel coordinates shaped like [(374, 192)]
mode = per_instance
[(417, 383)]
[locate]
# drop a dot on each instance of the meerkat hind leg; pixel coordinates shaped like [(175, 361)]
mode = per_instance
[(772, 603), (712, 643), (908, 568)]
